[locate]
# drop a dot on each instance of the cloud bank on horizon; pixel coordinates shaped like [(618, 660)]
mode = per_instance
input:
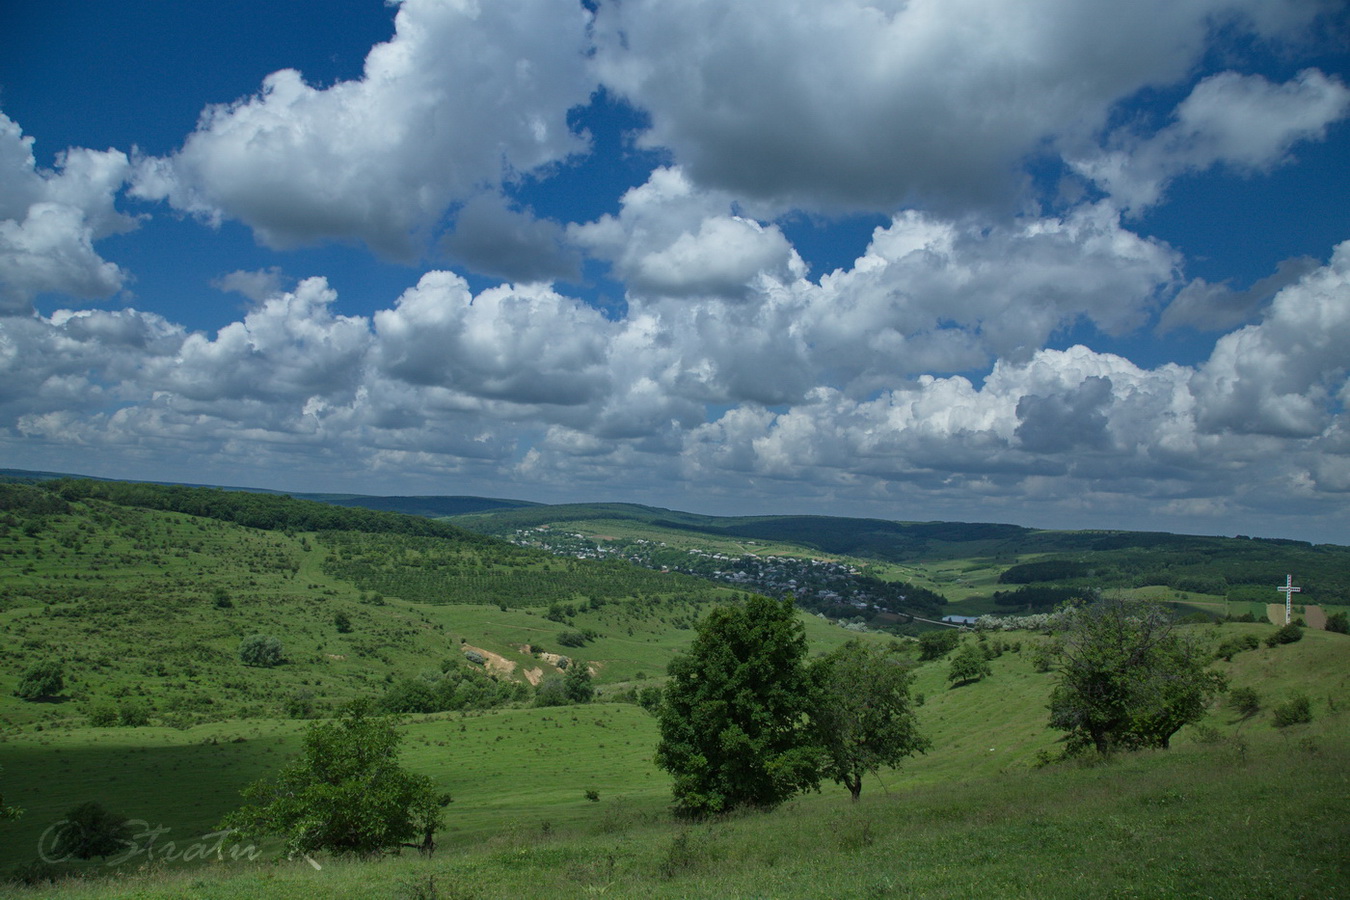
[(905, 259)]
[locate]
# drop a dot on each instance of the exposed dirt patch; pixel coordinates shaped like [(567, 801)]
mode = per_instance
[(1315, 617), (553, 658), (1275, 613), (533, 676), (496, 663)]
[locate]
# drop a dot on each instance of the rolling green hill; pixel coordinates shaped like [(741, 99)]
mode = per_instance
[(978, 567), (1238, 808), (144, 593)]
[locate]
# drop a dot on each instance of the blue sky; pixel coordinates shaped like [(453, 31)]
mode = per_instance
[(1056, 263)]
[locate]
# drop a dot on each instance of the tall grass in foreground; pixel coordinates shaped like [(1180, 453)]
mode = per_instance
[(1237, 816)]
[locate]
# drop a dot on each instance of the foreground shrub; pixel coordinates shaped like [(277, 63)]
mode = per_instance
[(1232, 646), (347, 794), (102, 714), (133, 714), (550, 692)]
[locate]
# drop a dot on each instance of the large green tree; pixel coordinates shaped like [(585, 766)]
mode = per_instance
[(864, 716), (735, 720), (1127, 678), (347, 794)]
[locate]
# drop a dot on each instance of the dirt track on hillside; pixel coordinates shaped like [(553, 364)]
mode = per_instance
[(495, 661)]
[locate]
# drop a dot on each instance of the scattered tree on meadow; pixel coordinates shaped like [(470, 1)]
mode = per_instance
[(1127, 679), (1339, 623), (734, 722), (347, 794), (577, 683), (41, 681), (968, 664), (937, 644), (864, 717), (261, 650)]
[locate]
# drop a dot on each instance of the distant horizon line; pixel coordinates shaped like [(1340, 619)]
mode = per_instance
[(43, 475)]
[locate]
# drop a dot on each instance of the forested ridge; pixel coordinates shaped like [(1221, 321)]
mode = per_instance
[(271, 512)]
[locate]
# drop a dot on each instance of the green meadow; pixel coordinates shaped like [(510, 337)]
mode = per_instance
[(146, 608), (1237, 808)]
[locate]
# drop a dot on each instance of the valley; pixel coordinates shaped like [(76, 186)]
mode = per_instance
[(145, 596)]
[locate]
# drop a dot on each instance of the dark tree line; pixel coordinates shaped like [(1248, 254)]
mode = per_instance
[(270, 512)]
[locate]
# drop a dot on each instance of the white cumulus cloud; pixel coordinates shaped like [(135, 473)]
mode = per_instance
[(876, 105), (465, 94), (49, 221), (1241, 121), (1286, 375)]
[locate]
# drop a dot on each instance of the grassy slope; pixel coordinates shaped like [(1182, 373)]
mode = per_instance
[(970, 818), (126, 597), (1247, 811)]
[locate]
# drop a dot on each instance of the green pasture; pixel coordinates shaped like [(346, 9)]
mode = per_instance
[(147, 608), (1236, 809)]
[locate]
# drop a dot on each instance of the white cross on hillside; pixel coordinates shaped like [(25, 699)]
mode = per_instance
[(1289, 592)]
